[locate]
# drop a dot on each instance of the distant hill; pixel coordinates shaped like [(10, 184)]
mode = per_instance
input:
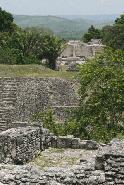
[(101, 18), (68, 27)]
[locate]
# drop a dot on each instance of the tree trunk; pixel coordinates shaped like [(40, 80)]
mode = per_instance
[(52, 64)]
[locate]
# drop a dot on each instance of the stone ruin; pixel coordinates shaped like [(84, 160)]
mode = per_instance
[(77, 53), (20, 144), (20, 98)]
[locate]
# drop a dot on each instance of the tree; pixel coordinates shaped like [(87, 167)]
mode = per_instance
[(101, 112), (52, 48), (93, 33), (26, 46), (40, 30), (6, 21), (113, 36), (30, 45), (7, 56), (120, 20)]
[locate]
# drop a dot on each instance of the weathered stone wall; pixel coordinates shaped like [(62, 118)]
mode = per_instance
[(80, 49), (29, 175), (19, 145), (110, 159), (22, 144), (106, 168), (8, 90), (21, 97), (73, 143)]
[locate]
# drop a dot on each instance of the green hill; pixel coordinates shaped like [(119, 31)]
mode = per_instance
[(63, 27)]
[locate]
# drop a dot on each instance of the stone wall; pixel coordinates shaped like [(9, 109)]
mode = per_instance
[(22, 144), (106, 168), (110, 159), (77, 53), (73, 143), (80, 49), (22, 97), (19, 145)]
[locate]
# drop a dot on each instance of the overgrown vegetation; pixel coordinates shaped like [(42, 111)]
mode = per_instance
[(47, 119), (6, 21), (93, 33), (28, 46), (100, 115), (111, 35)]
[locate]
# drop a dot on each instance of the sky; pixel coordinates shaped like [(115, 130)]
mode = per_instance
[(63, 7)]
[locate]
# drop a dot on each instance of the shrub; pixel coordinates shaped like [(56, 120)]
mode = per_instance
[(100, 115)]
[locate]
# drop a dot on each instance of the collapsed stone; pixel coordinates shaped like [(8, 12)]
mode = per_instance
[(22, 144), (19, 145)]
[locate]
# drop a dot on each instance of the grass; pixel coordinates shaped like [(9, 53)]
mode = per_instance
[(54, 157), (33, 71)]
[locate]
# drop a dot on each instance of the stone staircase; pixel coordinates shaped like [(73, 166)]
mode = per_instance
[(22, 97), (8, 91)]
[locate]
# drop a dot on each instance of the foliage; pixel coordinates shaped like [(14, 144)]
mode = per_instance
[(7, 56), (31, 47), (93, 33), (47, 118), (113, 36), (6, 21), (27, 46), (22, 45), (100, 115), (40, 30), (52, 47), (120, 20)]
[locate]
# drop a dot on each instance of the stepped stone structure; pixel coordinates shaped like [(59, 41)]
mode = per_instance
[(8, 90), (22, 97), (20, 144)]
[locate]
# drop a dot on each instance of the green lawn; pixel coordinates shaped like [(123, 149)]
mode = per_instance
[(33, 71)]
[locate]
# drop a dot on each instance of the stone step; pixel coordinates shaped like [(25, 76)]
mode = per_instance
[(8, 93), (8, 98), (7, 109), (8, 89), (12, 97), (10, 83), (5, 103), (1, 122)]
